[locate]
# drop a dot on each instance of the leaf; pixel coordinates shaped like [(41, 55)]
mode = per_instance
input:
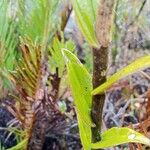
[(21, 145), (56, 59), (28, 70), (85, 12), (8, 42), (138, 64), (38, 19), (81, 86), (116, 136), (85, 134)]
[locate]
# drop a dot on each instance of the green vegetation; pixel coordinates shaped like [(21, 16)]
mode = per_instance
[(36, 57)]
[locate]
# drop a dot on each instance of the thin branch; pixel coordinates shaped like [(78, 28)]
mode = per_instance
[(65, 15), (138, 14)]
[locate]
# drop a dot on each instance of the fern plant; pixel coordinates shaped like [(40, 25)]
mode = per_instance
[(38, 19), (35, 23), (27, 79)]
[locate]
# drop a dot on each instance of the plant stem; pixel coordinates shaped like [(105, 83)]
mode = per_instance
[(99, 69), (65, 15), (100, 62), (38, 133)]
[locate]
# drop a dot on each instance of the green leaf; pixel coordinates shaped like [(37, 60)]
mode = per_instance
[(19, 146), (85, 12), (138, 64), (81, 86), (8, 42), (116, 136), (85, 133), (56, 59), (38, 19)]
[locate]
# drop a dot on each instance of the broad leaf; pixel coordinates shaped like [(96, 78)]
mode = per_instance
[(85, 133), (138, 64), (85, 12), (116, 136), (81, 86)]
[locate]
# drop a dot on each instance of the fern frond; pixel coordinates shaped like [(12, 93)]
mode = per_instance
[(28, 72), (27, 80), (8, 42), (38, 19)]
